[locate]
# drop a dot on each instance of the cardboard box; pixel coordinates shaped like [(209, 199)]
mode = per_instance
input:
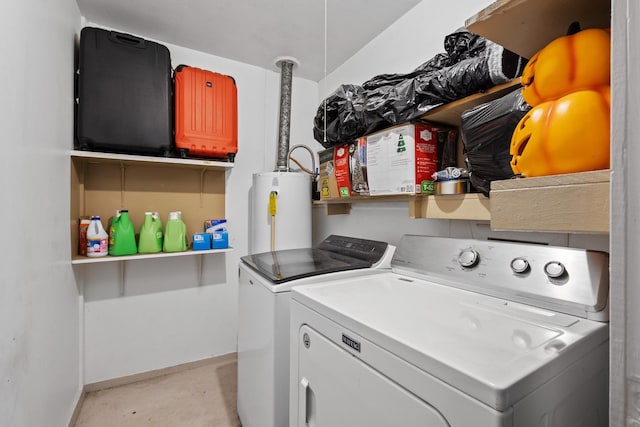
[(341, 160), (358, 166), (201, 241), (402, 160), (219, 240), (215, 225), (327, 181), (217, 229)]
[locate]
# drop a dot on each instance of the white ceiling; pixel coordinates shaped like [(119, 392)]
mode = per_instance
[(255, 31)]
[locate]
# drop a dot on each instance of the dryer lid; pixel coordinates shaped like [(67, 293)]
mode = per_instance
[(495, 350)]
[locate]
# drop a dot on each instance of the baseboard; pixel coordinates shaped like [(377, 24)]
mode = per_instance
[(115, 382), (76, 410)]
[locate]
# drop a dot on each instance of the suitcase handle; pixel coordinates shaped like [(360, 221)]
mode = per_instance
[(127, 39)]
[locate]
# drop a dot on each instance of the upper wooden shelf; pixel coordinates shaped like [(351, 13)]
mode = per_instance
[(526, 26), (128, 158), (450, 114)]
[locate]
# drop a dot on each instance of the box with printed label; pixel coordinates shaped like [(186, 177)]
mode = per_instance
[(341, 160), (215, 225), (219, 240), (201, 241), (327, 172), (358, 166), (402, 160)]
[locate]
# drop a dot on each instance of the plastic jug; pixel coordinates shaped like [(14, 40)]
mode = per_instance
[(175, 234), (122, 236), (150, 234), (97, 238)]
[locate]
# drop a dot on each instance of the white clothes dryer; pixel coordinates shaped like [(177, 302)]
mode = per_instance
[(265, 283), (461, 333)]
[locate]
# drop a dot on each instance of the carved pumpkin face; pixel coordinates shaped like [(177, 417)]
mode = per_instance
[(568, 135), (568, 64)]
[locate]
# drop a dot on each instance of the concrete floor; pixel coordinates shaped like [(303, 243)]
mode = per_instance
[(195, 397)]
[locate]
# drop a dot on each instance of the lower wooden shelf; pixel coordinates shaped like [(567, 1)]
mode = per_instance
[(90, 260), (575, 203), (472, 206), (569, 203)]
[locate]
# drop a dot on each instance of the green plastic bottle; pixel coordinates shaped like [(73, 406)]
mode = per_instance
[(175, 233), (122, 235), (150, 234)]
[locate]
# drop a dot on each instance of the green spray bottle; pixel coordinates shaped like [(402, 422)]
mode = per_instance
[(175, 233), (150, 234), (122, 235)]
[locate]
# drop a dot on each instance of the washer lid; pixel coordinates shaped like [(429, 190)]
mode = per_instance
[(494, 350), (292, 264), (335, 253)]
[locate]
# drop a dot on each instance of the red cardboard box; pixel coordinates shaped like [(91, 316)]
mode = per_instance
[(341, 159)]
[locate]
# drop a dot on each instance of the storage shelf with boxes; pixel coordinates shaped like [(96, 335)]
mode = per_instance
[(570, 202)]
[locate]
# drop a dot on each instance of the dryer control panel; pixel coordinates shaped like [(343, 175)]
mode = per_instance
[(567, 280)]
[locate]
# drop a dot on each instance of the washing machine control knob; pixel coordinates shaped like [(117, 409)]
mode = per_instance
[(554, 269), (468, 258), (519, 265)]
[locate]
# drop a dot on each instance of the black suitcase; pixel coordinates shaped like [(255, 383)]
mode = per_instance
[(124, 94)]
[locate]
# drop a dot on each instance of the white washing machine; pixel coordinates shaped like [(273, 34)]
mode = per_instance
[(461, 333), (266, 280)]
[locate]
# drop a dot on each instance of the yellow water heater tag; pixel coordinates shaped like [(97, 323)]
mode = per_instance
[(273, 196)]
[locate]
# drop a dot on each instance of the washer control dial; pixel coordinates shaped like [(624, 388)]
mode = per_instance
[(519, 265), (468, 258), (554, 269)]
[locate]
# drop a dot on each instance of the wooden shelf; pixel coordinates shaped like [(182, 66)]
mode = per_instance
[(449, 114), (102, 183), (573, 203), (525, 27), (100, 157), (87, 260), (472, 206), (577, 202)]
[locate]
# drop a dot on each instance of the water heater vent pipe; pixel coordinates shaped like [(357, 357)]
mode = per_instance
[(286, 64)]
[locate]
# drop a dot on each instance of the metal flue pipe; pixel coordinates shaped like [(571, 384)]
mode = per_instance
[(286, 65)]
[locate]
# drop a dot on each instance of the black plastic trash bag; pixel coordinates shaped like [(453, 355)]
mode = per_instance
[(344, 112), (471, 64), (486, 134)]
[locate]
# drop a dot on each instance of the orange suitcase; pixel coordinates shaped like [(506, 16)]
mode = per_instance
[(206, 113)]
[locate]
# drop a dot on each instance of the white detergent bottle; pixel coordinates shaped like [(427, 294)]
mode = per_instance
[(97, 238)]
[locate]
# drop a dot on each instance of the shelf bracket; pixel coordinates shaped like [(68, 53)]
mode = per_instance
[(200, 268), (122, 267), (338, 208), (417, 206), (202, 172), (122, 183)]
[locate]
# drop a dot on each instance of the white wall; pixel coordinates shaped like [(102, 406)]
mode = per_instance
[(164, 313), (412, 40), (625, 207), (39, 305)]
